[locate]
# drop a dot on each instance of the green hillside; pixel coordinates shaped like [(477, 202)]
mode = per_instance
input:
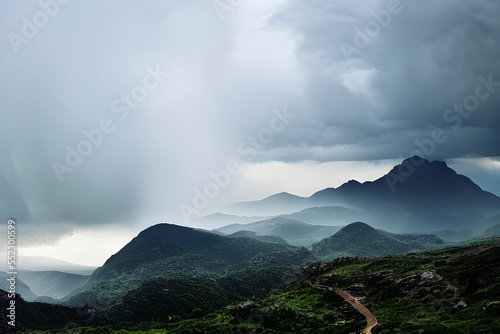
[(183, 253), (452, 290)]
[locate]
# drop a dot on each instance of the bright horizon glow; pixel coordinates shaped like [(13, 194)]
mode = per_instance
[(307, 177), (89, 247)]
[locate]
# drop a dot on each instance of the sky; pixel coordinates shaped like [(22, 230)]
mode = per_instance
[(115, 114)]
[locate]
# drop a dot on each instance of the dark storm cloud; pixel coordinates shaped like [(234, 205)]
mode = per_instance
[(398, 87)]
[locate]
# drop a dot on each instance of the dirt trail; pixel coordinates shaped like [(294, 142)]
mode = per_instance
[(370, 318)]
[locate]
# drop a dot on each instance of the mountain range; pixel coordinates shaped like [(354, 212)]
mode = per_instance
[(432, 188), (170, 271), (432, 197)]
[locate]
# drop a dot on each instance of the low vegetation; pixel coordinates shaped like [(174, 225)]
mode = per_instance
[(453, 290)]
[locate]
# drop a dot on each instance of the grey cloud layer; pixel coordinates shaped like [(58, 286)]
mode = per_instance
[(398, 87)]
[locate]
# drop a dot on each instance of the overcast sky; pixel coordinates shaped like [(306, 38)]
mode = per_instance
[(180, 90)]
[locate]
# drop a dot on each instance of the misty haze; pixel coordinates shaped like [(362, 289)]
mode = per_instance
[(258, 166)]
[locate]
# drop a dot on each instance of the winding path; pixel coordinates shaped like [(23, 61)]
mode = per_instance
[(370, 318)]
